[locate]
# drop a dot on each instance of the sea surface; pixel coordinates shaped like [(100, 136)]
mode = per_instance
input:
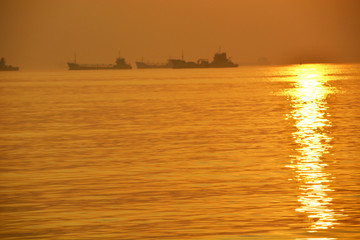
[(259, 152)]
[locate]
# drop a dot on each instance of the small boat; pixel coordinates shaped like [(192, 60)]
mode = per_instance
[(4, 67)]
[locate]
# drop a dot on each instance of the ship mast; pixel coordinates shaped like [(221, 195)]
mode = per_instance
[(74, 57)]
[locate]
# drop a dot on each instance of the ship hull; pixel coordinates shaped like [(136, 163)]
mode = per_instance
[(75, 66), (9, 68), (142, 65), (201, 66), (183, 64)]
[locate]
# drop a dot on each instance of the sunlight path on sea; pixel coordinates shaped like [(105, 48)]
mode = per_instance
[(309, 112)]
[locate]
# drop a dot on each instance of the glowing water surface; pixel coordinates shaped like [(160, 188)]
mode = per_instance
[(267, 152)]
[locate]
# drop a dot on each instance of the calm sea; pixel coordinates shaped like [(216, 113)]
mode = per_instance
[(247, 153)]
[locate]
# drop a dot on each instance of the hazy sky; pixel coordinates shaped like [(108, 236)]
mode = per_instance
[(46, 33)]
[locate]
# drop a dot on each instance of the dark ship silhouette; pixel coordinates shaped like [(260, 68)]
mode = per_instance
[(143, 65), (120, 64), (220, 61), (4, 67)]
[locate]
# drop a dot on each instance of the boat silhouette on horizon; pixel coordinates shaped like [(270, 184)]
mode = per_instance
[(119, 64), (4, 67), (220, 61)]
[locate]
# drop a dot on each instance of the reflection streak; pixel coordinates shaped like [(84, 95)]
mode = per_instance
[(308, 100)]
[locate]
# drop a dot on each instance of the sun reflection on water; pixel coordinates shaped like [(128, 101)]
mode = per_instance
[(309, 111)]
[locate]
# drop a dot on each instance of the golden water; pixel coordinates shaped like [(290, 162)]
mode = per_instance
[(245, 153)]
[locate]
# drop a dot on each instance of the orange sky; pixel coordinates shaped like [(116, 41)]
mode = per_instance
[(37, 34)]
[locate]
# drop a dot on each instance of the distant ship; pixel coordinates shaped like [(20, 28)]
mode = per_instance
[(120, 64), (4, 67), (220, 61), (143, 65)]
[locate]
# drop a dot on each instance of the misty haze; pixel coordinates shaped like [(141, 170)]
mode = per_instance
[(43, 34)]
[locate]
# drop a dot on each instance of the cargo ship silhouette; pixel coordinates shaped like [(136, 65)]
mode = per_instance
[(4, 67), (120, 64), (220, 61)]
